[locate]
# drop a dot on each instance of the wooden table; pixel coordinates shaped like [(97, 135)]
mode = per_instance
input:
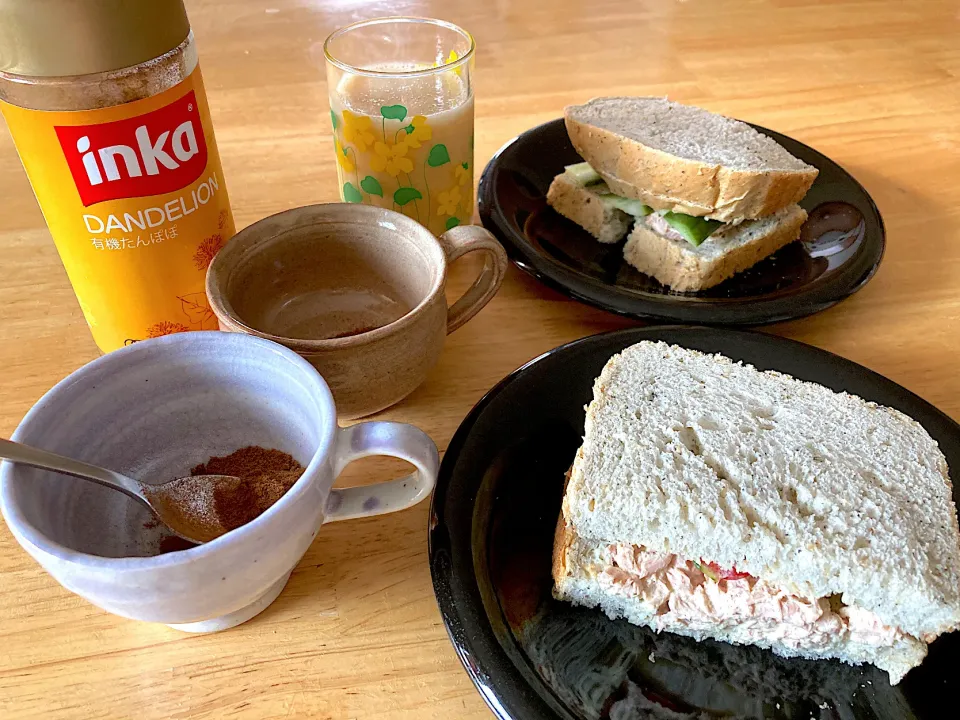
[(356, 633)]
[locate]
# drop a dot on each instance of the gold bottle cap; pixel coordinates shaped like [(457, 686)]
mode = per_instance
[(49, 38)]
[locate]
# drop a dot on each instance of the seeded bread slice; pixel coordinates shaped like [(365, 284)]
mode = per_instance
[(685, 159), (819, 493), (583, 206), (686, 268)]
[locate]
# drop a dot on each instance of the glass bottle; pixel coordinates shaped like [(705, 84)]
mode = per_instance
[(107, 108)]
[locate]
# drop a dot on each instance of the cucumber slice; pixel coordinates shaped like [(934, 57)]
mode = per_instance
[(628, 205), (694, 229), (583, 174)]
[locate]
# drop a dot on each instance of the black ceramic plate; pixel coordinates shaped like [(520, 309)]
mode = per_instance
[(839, 251), (533, 658)]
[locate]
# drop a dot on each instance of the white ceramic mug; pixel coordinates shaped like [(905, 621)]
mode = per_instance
[(152, 411)]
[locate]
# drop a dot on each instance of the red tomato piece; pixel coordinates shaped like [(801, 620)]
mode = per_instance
[(732, 574)]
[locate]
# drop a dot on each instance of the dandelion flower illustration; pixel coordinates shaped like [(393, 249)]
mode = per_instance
[(206, 251), (166, 328)]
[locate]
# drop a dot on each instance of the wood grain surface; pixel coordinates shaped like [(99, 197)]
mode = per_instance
[(356, 634)]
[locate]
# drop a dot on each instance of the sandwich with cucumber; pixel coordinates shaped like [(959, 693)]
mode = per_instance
[(713, 500), (699, 197)]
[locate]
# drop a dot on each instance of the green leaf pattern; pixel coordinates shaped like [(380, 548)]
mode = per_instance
[(453, 200), (394, 112), (406, 194), (371, 186), (438, 155)]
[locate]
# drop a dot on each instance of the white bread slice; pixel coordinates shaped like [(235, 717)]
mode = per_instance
[(578, 562), (583, 206), (685, 159), (731, 249), (815, 492)]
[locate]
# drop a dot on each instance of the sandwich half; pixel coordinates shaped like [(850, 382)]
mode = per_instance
[(686, 159), (681, 251), (707, 196), (658, 249), (710, 499)]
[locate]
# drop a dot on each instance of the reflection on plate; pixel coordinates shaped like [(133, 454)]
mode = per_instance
[(495, 510), (840, 248)]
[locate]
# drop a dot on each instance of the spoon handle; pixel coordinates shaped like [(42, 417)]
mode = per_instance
[(35, 457)]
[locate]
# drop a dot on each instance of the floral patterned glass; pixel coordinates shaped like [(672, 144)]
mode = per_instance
[(401, 105)]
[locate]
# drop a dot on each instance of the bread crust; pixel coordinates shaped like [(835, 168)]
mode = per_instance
[(682, 268), (668, 182), (584, 207), (562, 539)]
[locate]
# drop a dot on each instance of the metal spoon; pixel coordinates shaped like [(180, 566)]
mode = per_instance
[(185, 505)]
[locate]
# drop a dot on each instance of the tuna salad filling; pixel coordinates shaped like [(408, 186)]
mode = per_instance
[(702, 596), (673, 225), (658, 223)]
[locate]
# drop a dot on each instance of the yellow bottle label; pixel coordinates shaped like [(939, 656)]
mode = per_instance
[(135, 200)]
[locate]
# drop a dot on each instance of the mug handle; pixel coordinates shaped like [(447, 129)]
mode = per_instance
[(459, 241), (382, 438)]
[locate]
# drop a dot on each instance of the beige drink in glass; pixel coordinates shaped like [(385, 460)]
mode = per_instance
[(401, 105)]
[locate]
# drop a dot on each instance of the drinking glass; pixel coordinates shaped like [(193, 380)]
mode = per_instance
[(401, 104)]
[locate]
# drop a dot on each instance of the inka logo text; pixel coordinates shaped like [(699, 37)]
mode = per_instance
[(160, 152)]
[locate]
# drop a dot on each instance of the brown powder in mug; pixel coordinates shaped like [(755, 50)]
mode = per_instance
[(254, 478), (173, 543), (263, 477)]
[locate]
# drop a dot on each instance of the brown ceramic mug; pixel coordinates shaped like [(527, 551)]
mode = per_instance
[(357, 290)]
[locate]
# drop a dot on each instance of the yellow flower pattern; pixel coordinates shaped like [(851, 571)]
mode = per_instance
[(343, 159), (462, 174), (358, 129), (421, 132), (391, 158), (452, 58), (447, 201)]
